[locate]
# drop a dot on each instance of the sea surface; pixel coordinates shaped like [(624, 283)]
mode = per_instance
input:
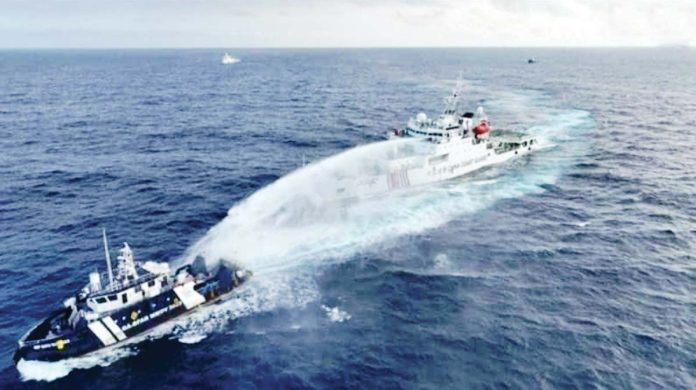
[(574, 267)]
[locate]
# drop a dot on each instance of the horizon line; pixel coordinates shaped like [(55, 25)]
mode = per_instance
[(660, 46)]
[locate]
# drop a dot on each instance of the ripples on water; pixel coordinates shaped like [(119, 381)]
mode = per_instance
[(569, 269)]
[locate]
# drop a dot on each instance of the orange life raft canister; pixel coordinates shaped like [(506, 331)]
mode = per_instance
[(483, 128)]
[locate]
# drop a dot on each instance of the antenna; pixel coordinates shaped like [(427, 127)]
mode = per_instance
[(108, 258), (452, 100)]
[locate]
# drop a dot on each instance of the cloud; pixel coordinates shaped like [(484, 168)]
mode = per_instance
[(302, 23)]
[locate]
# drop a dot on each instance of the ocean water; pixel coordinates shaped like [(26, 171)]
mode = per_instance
[(571, 268)]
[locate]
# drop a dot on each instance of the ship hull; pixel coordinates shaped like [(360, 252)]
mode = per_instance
[(450, 162), (462, 165), (121, 325)]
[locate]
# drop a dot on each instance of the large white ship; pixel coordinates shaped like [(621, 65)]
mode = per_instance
[(452, 145)]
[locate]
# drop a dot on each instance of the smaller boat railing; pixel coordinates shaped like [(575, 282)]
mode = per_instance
[(118, 286)]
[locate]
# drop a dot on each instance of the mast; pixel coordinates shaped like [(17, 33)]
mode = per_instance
[(108, 258), (452, 100)]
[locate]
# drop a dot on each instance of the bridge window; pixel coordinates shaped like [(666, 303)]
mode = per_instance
[(124, 298), (112, 297), (151, 283), (100, 300)]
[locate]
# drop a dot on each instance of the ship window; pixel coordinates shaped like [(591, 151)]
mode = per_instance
[(101, 300), (124, 298), (112, 297), (151, 283)]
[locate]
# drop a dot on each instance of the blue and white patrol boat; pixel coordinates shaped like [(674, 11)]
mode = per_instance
[(134, 298)]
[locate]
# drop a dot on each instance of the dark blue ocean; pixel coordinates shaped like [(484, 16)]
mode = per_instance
[(574, 267)]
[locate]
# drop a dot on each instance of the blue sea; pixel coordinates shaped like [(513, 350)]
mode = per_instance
[(573, 267)]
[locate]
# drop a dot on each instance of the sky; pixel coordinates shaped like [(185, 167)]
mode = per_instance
[(348, 23)]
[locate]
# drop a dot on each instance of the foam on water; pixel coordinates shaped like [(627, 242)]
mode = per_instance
[(335, 314), (50, 371)]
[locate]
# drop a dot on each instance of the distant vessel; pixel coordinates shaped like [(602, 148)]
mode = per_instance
[(138, 297), (227, 59), (532, 60), (456, 143)]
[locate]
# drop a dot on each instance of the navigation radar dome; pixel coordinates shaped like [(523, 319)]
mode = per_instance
[(421, 117)]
